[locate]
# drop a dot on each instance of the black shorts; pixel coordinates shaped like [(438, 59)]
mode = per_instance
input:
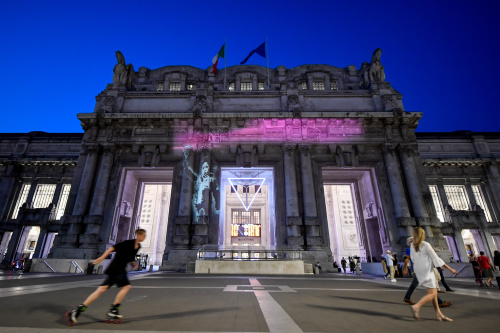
[(121, 280)]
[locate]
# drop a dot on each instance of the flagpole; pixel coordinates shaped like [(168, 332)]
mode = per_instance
[(225, 62), (267, 58)]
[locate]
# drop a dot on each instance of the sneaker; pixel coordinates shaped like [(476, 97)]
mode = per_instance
[(441, 291), (394, 280), (408, 301), (444, 304), (385, 277)]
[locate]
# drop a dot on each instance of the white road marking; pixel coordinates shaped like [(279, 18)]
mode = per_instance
[(277, 320)]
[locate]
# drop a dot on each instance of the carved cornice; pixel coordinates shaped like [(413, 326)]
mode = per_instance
[(454, 163)]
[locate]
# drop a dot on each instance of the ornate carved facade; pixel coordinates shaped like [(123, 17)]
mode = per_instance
[(313, 131)]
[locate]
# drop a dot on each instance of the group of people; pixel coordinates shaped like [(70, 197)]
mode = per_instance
[(483, 268)]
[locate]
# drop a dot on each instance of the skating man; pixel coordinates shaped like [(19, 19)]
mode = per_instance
[(125, 253)]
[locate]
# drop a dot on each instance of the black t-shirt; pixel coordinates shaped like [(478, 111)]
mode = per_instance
[(124, 253)]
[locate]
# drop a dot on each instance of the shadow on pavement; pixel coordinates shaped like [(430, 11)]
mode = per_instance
[(401, 317)]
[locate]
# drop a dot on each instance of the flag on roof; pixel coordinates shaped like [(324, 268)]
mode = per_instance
[(261, 50), (215, 59)]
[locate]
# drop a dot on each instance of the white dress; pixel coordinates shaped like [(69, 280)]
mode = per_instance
[(424, 262)]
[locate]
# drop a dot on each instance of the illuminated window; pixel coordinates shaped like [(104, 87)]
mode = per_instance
[(437, 202), (304, 85), (44, 194), (189, 87), (478, 195), (245, 224), (23, 195), (175, 86), (457, 198), (246, 86), (318, 85), (333, 85), (63, 199), (245, 217), (261, 85), (231, 86), (159, 86), (256, 217)]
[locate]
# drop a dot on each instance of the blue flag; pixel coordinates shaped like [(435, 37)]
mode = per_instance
[(261, 50)]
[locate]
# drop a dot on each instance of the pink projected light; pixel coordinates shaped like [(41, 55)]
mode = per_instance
[(231, 180), (289, 130)]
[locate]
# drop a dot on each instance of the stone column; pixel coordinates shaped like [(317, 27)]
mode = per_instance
[(401, 210), (461, 245), (40, 243), (7, 185), (83, 194), (94, 219), (411, 177), (311, 220), (183, 218), (470, 194), (82, 198), (293, 219), (201, 201), (31, 194)]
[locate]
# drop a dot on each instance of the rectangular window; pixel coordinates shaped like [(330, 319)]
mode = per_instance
[(333, 85), (175, 86), (257, 188), (304, 85), (189, 87), (457, 198), (256, 217), (231, 86), (23, 195), (318, 85), (478, 195), (234, 188), (246, 86), (437, 202), (246, 189), (245, 217), (261, 85), (159, 86), (44, 194), (63, 199), (236, 215)]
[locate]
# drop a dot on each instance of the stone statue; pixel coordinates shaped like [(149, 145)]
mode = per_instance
[(123, 74), (376, 71)]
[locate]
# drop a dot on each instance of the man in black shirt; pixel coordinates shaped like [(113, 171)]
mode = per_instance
[(116, 274)]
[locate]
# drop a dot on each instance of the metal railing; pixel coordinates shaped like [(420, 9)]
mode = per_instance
[(77, 267), (53, 271), (247, 254)]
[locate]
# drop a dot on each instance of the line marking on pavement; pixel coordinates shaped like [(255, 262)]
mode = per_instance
[(277, 320), (50, 330)]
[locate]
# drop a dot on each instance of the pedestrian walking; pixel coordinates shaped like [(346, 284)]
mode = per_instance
[(343, 263), (352, 265), (390, 265), (384, 266), (487, 268), (496, 259), (476, 269), (443, 281), (125, 253), (424, 260), (408, 267)]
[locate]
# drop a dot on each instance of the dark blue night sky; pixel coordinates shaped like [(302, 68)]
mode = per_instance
[(443, 56)]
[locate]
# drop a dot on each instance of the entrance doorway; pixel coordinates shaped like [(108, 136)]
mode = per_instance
[(247, 208), (356, 226), (144, 202)]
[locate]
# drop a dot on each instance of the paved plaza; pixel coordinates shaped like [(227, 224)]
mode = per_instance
[(176, 302)]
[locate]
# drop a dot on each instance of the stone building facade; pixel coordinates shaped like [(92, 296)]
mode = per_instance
[(322, 159)]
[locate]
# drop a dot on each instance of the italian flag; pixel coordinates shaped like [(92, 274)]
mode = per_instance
[(215, 59)]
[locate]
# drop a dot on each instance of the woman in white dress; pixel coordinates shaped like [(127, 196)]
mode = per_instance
[(424, 260)]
